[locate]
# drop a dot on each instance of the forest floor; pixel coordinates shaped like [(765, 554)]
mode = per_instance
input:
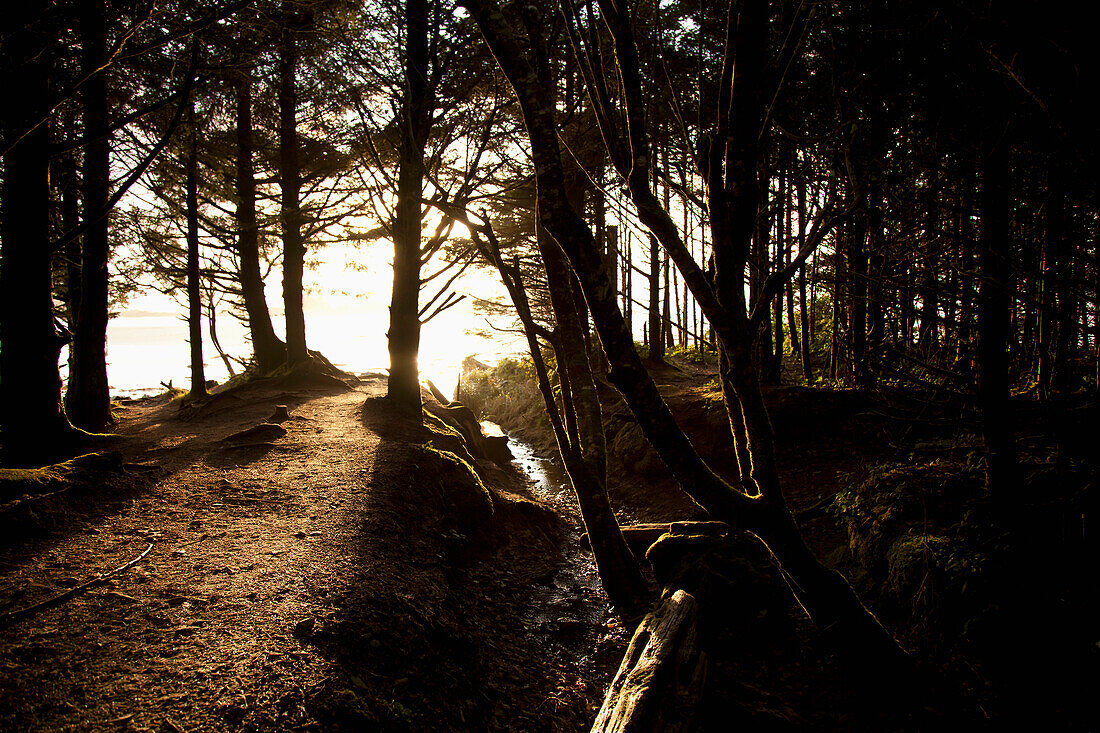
[(345, 576), (305, 582)]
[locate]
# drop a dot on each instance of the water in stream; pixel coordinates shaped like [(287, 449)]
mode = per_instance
[(570, 607)]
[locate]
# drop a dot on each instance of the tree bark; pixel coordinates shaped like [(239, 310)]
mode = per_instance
[(31, 419), (404, 331), (660, 681), (805, 307), (994, 308), (267, 349), (290, 184), (194, 276), (656, 342), (88, 400)]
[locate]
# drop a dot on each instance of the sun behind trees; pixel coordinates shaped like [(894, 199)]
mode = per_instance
[(890, 205)]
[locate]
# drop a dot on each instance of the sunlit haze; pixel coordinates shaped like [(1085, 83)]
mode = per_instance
[(347, 314)]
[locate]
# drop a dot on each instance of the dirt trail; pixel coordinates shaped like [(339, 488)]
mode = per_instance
[(282, 592)]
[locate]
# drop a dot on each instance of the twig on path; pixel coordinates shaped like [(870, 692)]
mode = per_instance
[(8, 619)]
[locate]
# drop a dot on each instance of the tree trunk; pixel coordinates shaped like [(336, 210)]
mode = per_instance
[(876, 297), (194, 276), (267, 349), (579, 435), (1063, 311), (995, 305), (87, 400), (805, 307), (656, 342), (212, 330), (927, 333), (404, 332), (290, 184), (70, 221), (857, 299), (839, 301), (31, 419), (586, 458)]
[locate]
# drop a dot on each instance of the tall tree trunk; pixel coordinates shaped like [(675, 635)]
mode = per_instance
[(804, 306), (656, 342), (1062, 315), (267, 349), (404, 332), (839, 317), (876, 274), (611, 255), (792, 322), (290, 184), (586, 459), (666, 307), (87, 399), (194, 275), (1096, 297), (628, 285), (995, 302), (31, 419), (70, 222), (781, 245), (928, 332), (857, 299)]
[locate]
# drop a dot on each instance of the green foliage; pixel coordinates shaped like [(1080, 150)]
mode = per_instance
[(919, 534), (690, 353), (508, 394)]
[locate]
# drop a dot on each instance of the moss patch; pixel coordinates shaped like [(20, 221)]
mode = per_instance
[(15, 482), (466, 499)]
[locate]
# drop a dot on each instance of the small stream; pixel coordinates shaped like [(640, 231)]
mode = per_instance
[(570, 606)]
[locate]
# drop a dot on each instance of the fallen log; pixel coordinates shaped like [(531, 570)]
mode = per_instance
[(660, 681), (641, 536), (638, 536)]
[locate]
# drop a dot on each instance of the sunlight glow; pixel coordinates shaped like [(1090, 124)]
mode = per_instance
[(347, 314)]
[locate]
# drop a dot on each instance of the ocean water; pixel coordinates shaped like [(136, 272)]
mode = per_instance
[(145, 351)]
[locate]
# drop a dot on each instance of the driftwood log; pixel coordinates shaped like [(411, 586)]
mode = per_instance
[(660, 680)]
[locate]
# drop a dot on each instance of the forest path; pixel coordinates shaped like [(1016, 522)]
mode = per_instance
[(245, 543), (267, 562)]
